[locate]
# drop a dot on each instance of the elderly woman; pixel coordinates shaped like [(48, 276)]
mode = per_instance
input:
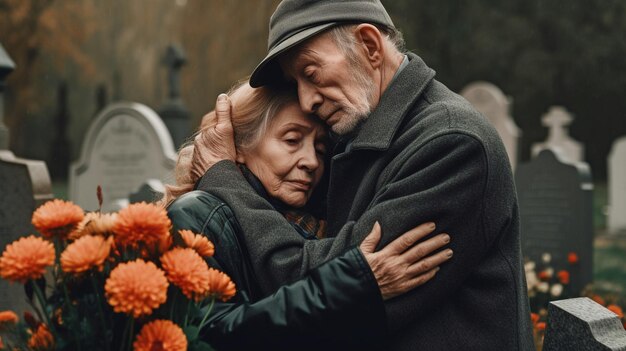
[(281, 152)]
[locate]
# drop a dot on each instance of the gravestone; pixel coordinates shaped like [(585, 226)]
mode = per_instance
[(493, 104), (59, 157), (24, 186), (125, 145), (150, 191), (617, 186), (174, 112), (557, 119), (101, 99), (6, 66), (581, 324), (555, 204)]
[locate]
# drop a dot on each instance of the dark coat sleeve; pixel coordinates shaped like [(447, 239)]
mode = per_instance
[(444, 179), (324, 309)]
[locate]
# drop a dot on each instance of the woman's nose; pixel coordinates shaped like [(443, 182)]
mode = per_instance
[(308, 159)]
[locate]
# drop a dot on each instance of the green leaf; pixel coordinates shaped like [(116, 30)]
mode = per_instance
[(192, 333), (200, 346)]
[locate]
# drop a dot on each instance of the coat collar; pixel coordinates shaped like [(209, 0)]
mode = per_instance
[(381, 125)]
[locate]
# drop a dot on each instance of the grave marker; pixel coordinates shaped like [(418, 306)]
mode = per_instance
[(557, 119), (493, 104), (174, 112), (6, 66), (555, 201), (24, 186), (125, 145), (617, 186), (150, 191), (582, 324)]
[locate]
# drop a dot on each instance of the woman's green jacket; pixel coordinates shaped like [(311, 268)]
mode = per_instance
[(335, 306)]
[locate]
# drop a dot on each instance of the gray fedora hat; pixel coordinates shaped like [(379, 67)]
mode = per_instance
[(295, 21)]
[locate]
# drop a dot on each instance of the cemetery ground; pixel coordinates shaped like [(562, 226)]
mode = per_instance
[(609, 263)]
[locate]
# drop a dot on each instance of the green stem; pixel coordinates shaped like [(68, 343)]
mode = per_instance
[(123, 339), (69, 305), (206, 315), (173, 306), (101, 311), (42, 304), (130, 335), (187, 314)]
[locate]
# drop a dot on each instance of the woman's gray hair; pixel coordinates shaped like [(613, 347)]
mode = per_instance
[(253, 111)]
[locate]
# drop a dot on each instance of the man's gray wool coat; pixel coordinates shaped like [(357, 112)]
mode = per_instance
[(424, 154)]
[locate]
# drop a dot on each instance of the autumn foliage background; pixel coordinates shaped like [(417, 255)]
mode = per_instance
[(567, 51)]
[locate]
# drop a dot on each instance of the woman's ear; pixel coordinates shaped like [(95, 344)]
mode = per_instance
[(240, 157), (373, 43)]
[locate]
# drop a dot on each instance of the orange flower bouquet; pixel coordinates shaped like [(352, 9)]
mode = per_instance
[(110, 281)]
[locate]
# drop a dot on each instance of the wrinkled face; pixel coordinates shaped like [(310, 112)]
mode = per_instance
[(330, 85), (289, 160)]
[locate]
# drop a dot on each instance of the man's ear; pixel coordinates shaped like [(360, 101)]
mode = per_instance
[(372, 41)]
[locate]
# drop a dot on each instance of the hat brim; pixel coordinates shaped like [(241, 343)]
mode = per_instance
[(268, 71)]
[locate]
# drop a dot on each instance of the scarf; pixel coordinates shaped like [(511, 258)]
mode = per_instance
[(303, 222)]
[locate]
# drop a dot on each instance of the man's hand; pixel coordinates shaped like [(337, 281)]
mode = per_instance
[(401, 265), (216, 141)]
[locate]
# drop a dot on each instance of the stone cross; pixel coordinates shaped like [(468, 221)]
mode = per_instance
[(580, 324), (489, 100), (557, 120), (617, 186), (174, 112), (6, 66)]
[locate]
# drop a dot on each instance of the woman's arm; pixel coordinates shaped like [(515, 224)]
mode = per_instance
[(329, 306), (337, 305)]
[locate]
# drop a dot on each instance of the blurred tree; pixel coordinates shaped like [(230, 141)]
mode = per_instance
[(30, 28), (540, 52)]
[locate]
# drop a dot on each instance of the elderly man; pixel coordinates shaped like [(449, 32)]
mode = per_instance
[(409, 151)]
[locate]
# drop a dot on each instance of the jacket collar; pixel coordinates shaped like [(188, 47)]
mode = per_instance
[(379, 128)]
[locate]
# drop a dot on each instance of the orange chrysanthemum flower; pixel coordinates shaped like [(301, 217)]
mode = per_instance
[(86, 253), (534, 318), (541, 326), (143, 222), (198, 242), (160, 335), (616, 309), (136, 288), (563, 277), (8, 317), (220, 285), (572, 258), (188, 271), (26, 258), (94, 223), (57, 218), (42, 339)]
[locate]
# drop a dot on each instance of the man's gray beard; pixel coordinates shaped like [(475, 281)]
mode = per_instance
[(355, 115)]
